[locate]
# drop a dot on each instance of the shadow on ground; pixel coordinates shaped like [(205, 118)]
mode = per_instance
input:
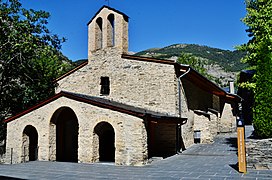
[(7, 178), (235, 167), (232, 141)]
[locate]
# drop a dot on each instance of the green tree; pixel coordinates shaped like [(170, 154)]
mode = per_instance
[(259, 57), (29, 58), (196, 63)]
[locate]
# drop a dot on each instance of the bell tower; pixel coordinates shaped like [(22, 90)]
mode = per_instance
[(108, 29)]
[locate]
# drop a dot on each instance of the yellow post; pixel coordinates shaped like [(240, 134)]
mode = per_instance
[(241, 149)]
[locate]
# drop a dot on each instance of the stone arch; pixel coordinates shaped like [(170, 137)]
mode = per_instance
[(104, 142), (99, 33), (64, 135), (110, 30), (30, 144)]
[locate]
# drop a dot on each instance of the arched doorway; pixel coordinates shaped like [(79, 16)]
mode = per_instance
[(106, 135), (66, 129), (30, 144)]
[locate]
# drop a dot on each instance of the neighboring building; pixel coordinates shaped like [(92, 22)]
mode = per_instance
[(120, 108), (247, 96)]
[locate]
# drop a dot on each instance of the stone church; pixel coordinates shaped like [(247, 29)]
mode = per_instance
[(120, 108)]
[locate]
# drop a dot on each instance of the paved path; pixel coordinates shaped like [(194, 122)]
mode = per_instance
[(202, 161)]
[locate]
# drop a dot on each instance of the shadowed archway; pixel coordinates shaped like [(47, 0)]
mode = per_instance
[(106, 136), (30, 144), (66, 131)]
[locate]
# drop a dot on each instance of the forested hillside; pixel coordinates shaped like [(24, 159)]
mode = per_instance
[(222, 65)]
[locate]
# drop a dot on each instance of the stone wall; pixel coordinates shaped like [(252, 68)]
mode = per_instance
[(206, 123), (25, 148), (2, 155), (202, 124), (130, 133), (259, 153), (187, 130), (148, 85), (2, 159), (2, 151), (214, 121), (228, 119)]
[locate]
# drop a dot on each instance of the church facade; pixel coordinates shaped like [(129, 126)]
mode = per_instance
[(120, 108)]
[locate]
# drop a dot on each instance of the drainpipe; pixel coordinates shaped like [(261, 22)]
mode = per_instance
[(179, 128), (179, 86)]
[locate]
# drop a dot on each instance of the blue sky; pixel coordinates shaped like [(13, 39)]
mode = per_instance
[(152, 23)]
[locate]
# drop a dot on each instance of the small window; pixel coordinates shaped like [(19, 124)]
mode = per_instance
[(105, 86)]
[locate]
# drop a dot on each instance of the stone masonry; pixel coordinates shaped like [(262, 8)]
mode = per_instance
[(101, 34), (147, 85), (259, 153), (131, 147)]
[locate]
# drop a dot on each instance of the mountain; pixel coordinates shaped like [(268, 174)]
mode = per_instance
[(222, 65)]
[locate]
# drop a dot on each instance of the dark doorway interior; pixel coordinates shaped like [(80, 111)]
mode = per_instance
[(67, 136), (163, 139), (32, 136), (106, 135)]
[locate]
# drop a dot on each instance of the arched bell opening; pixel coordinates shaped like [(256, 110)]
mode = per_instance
[(111, 31), (99, 33)]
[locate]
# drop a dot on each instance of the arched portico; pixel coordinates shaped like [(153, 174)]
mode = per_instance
[(64, 135)]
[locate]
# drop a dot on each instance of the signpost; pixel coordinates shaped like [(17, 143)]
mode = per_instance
[(241, 149), (241, 143)]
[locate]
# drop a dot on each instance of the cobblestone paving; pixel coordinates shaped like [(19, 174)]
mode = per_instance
[(200, 161)]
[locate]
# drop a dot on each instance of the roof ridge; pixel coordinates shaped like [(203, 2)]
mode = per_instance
[(110, 8)]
